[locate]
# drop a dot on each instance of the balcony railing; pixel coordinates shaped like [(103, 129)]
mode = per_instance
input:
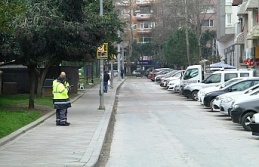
[(144, 2), (144, 30), (143, 16), (122, 4)]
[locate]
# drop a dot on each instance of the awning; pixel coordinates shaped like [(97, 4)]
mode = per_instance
[(252, 4), (242, 9), (254, 33), (239, 39)]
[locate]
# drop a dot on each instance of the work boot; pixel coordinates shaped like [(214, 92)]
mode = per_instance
[(64, 124)]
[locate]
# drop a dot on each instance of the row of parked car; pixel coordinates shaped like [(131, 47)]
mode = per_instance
[(230, 92)]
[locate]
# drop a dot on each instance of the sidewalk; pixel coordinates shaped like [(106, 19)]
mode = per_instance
[(43, 144)]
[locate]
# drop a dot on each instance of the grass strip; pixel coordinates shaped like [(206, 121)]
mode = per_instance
[(11, 121)]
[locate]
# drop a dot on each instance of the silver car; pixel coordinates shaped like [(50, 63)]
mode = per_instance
[(228, 99)]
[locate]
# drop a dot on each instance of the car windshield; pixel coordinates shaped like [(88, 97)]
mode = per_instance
[(190, 73)]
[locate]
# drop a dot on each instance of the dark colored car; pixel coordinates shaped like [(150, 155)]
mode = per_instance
[(237, 86), (243, 112)]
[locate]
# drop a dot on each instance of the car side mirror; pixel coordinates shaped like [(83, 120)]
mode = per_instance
[(230, 89)]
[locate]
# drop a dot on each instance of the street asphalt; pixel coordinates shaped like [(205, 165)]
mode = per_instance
[(43, 144)]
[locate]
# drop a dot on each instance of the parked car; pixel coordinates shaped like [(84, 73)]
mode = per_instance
[(157, 76), (204, 91), (243, 111), (165, 80), (153, 73), (216, 78), (223, 102), (174, 85), (147, 71), (164, 74), (238, 86)]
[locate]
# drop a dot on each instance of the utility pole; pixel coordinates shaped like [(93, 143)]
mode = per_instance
[(119, 58), (122, 57), (101, 107), (112, 73)]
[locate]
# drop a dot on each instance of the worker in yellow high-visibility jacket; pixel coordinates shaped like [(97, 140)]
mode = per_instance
[(61, 99)]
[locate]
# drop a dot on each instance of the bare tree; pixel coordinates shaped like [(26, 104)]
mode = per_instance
[(125, 10), (170, 15)]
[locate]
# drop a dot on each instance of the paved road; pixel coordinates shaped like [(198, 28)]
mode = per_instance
[(155, 128)]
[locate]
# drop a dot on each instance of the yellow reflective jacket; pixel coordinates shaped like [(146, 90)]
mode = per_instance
[(60, 95)]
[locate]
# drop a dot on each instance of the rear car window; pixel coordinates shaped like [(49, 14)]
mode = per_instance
[(229, 76), (244, 74)]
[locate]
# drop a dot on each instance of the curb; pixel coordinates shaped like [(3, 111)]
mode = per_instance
[(40, 120), (93, 152)]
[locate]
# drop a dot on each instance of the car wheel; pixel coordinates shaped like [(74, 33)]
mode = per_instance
[(195, 95), (246, 120)]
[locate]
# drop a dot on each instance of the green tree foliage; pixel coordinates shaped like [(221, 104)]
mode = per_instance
[(208, 39), (141, 49), (52, 31), (9, 10), (174, 49)]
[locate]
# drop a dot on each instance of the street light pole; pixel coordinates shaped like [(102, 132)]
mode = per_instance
[(119, 58), (101, 107)]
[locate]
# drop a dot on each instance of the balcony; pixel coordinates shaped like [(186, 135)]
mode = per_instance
[(143, 16), (122, 4), (144, 30), (144, 2)]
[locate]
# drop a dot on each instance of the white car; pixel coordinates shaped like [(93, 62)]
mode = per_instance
[(165, 80), (201, 94), (174, 85), (229, 98)]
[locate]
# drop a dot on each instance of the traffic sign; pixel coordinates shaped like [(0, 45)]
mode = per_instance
[(102, 51)]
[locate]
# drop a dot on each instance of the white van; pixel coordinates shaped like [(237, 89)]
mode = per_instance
[(216, 78)]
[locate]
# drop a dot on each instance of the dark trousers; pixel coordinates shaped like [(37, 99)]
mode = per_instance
[(61, 116), (105, 87)]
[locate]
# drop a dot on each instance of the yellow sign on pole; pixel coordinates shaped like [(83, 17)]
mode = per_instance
[(102, 51)]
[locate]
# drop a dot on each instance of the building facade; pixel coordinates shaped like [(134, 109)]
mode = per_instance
[(238, 32)]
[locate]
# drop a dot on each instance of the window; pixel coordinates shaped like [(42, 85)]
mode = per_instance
[(145, 39), (145, 10), (228, 19), (229, 76), (241, 86), (190, 73), (147, 25), (134, 26), (213, 78), (207, 23), (208, 9), (244, 74)]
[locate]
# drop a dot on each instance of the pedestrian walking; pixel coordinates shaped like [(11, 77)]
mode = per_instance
[(106, 78), (61, 101), (122, 73)]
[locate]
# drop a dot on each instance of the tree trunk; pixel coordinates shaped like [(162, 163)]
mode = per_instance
[(31, 71), (187, 34), (41, 77)]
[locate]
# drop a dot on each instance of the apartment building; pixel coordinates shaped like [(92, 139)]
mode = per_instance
[(139, 16), (209, 15), (238, 32), (226, 31), (247, 39)]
